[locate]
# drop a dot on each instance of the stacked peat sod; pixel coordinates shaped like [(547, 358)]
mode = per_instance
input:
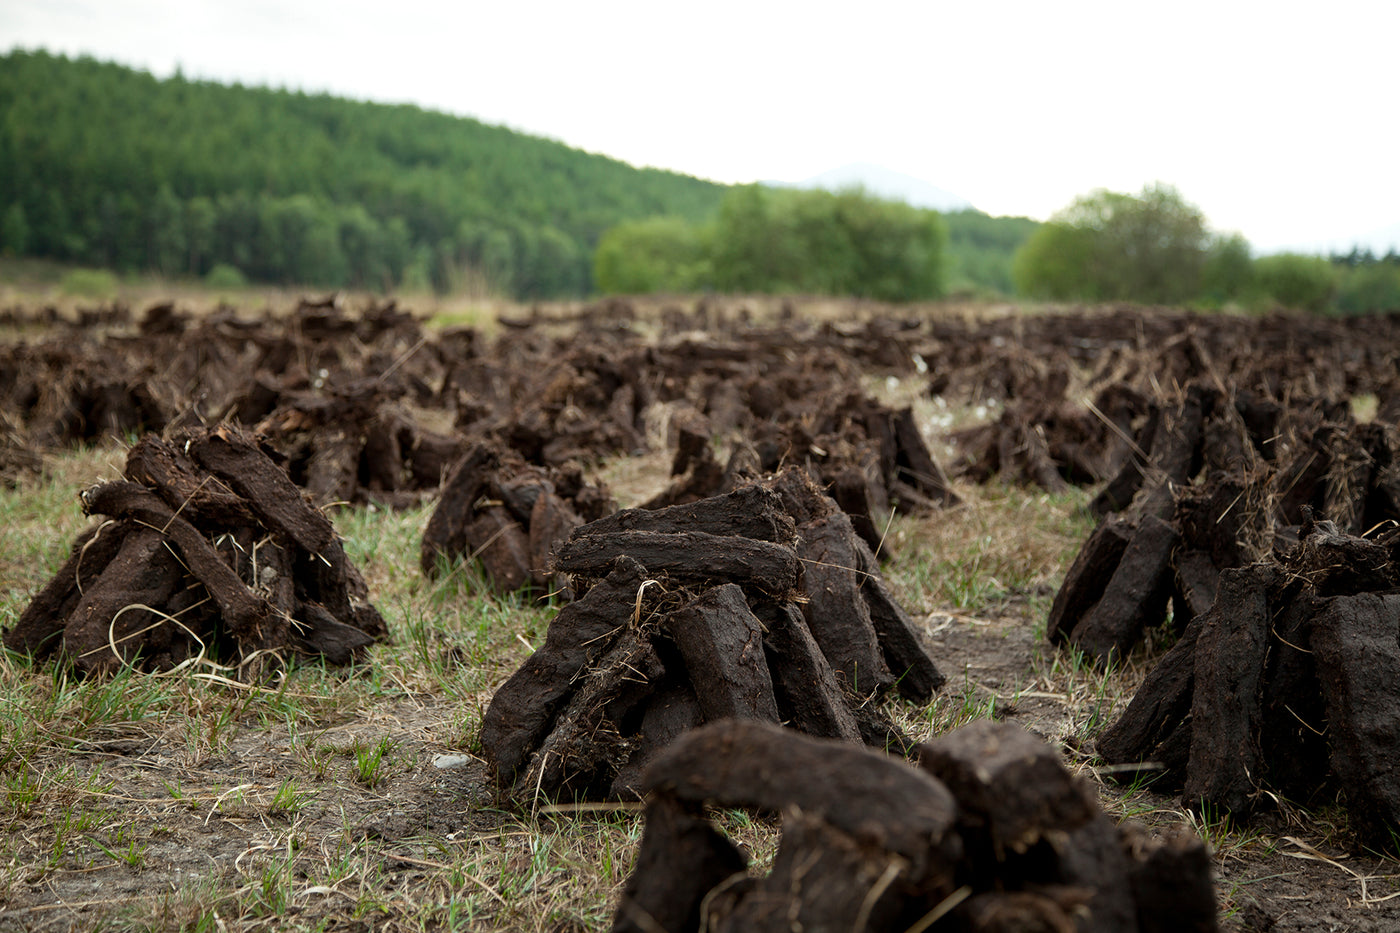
[(208, 552), (1079, 388), (1175, 537), (1287, 626), (357, 444), (990, 834), (374, 408), (780, 396), (345, 400), (760, 604), (1289, 684), (171, 369), (872, 457), (508, 516), (594, 390), (1220, 480), (1044, 438)]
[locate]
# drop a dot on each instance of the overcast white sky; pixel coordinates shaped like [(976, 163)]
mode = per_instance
[(1278, 119)]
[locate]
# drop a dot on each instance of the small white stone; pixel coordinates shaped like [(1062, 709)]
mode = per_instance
[(448, 762)]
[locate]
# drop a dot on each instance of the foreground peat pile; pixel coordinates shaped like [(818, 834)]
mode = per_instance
[(1289, 684), (208, 551), (990, 834), (761, 604), (509, 516)]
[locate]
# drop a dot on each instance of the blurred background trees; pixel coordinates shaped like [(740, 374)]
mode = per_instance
[(1156, 247), (1107, 246), (104, 166)]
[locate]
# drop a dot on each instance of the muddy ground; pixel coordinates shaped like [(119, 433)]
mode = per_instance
[(372, 406)]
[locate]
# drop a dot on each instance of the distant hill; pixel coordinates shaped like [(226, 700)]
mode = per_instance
[(105, 165), (885, 183)]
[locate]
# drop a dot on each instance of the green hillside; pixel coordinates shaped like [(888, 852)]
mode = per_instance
[(104, 165)]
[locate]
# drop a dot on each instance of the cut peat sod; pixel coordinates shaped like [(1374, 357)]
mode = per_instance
[(990, 834), (509, 516), (1285, 676), (763, 604), (207, 552), (1289, 684), (1215, 493)]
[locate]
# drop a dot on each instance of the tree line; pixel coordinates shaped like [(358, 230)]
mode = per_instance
[(106, 165), (781, 240), (1156, 247), (103, 165)]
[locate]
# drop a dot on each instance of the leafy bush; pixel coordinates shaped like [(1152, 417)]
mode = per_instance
[(659, 254), (89, 283), (1295, 281), (224, 275), (1055, 264), (1228, 273), (14, 231), (816, 242), (980, 251), (1109, 246), (779, 240), (1369, 289)]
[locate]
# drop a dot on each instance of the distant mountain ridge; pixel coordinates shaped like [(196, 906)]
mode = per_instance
[(883, 183)]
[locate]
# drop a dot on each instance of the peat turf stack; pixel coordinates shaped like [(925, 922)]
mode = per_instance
[(1288, 684), (208, 550), (1046, 439), (990, 834), (1225, 480), (871, 457), (509, 517), (760, 604), (1042, 370), (357, 443)]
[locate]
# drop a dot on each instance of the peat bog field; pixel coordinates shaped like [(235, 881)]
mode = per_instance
[(699, 614)]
